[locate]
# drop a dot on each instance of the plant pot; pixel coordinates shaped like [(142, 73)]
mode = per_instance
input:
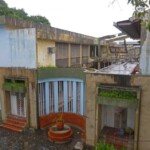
[(59, 124)]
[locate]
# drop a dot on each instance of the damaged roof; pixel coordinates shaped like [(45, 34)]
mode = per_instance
[(126, 68), (131, 28)]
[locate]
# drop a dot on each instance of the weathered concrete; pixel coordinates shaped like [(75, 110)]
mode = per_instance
[(93, 112), (47, 32)]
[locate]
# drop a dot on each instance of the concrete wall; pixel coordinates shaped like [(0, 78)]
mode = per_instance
[(48, 32), (93, 114), (17, 47), (44, 58), (144, 132), (145, 56), (31, 101)]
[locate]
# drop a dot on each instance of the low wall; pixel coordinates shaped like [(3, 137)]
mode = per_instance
[(70, 118)]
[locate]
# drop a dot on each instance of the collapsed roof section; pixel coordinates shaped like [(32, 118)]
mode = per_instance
[(127, 68), (131, 28)]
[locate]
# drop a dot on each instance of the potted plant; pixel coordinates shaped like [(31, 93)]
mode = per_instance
[(60, 122)]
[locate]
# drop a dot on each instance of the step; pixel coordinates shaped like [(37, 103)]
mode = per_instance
[(17, 129), (14, 124), (15, 121)]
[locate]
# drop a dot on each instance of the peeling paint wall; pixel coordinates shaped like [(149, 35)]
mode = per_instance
[(44, 57), (17, 47)]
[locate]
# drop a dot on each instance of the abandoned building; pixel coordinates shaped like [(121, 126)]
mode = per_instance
[(94, 82)]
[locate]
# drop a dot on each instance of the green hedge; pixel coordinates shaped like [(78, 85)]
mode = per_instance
[(118, 94)]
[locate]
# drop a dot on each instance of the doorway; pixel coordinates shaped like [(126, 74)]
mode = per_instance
[(18, 104)]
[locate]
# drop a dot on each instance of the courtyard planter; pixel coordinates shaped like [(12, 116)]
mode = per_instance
[(14, 87), (117, 101)]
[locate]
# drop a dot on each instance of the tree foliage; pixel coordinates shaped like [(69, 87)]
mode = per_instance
[(21, 14), (3, 3), (141, 10)]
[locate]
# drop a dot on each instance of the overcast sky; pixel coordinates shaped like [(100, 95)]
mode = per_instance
[(90, 17)]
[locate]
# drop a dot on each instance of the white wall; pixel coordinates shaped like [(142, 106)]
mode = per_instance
[(107, 116), (108, 113), (130, 118), (145, 50)]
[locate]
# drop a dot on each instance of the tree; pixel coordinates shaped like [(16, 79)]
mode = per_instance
[(39, 19), (3, 3), (21, 14)]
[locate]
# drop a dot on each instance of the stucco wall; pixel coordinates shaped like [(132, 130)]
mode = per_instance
[(45, 58), (92, 113), (17, 47), (31, 101)]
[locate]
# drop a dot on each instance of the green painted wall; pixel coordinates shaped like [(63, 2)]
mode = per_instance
[(45, 73)]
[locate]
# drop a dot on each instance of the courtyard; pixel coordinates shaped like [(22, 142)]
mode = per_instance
[(35, 140)]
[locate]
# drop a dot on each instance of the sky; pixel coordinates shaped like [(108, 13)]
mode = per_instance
[(89, 17)]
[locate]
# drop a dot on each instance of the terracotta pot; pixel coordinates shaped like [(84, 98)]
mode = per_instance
[(60, 124)]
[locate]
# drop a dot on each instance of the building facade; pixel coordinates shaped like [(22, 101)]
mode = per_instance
[(41, 74)]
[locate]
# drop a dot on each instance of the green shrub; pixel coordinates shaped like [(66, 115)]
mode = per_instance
[(103, 146)]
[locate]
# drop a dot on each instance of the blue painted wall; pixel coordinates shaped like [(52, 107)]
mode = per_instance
[(17, 47), (65, 94)]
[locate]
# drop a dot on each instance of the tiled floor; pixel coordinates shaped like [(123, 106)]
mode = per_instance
[(111, 136)]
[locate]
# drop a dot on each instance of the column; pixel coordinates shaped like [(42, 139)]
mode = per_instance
[(80, 54), (82, 99), (56, 96), (47, 97), (65, 96), (74, 97), (69, 55), (88, 53)]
